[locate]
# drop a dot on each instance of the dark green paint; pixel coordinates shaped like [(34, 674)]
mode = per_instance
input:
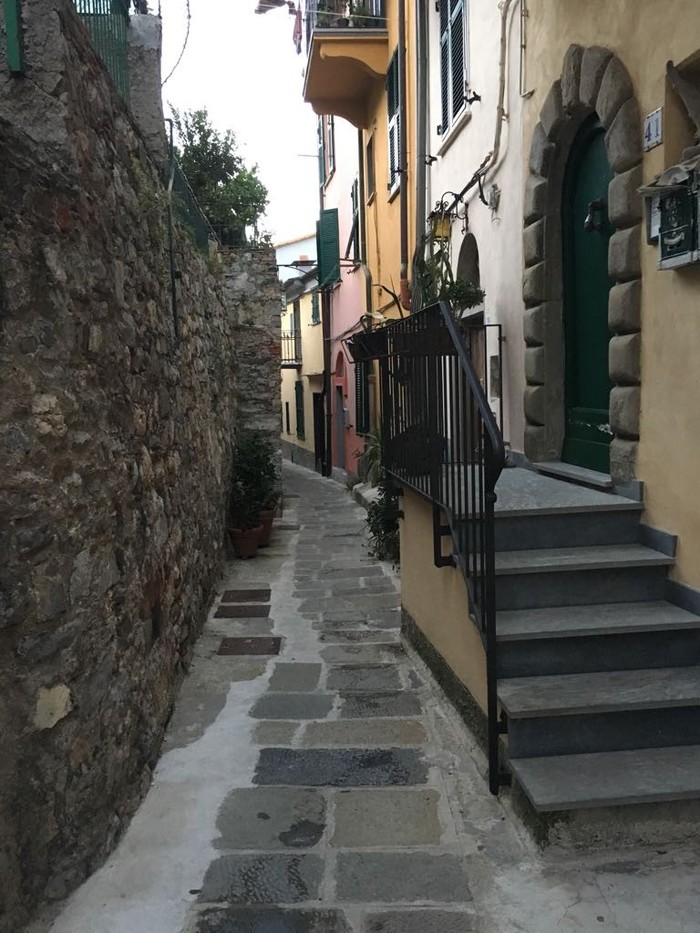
[(15, 37), (586, 287), (328, 248)]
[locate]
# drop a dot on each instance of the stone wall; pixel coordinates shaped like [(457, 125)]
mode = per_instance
[(116, 433)]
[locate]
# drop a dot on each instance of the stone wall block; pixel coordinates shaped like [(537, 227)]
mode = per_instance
[(625, 307), (593, 64), (624, 353), (624, 138), (623, 459), (552, 112), (615, 89), (571, 78), (541, 152), (624, 202), (533, 285), (624, 254), (534, 321), (535, 404), (535, 363), (624, 411), (535, 198), (535, 443), (533, 243)]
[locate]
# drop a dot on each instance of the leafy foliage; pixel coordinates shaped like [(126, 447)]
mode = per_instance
[(229, 192), (256, 483), (436, 280), (383, 522)]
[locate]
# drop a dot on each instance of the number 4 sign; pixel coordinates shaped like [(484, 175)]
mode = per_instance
[(653, 129)]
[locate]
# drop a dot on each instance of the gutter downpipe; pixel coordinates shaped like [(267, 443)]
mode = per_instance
[(421, 121), (403, 194)]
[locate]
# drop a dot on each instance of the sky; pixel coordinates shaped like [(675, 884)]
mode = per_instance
[(243, 67)]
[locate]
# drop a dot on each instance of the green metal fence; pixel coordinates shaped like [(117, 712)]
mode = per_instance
[(187, 209), (107, 22)]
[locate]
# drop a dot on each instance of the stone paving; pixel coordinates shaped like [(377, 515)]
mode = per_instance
[(330, 787)]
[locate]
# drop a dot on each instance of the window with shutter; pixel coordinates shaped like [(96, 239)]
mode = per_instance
[(299, 399), (353, 246), (328, 248), (369, 158), (453, 61), (394, 124), (315, 309)]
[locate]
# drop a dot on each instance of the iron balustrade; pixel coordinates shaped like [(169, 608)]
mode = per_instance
[(107, 22), (442, 439), (343, 14), (291, 349)]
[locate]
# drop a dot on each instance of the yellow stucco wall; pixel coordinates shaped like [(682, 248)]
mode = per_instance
[(436, 599), (311, 373), (645, 36)]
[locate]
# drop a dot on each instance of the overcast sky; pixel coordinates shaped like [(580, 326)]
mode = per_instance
[(245, 70)]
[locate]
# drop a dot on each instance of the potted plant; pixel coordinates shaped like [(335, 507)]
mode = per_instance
[(244, 525), (257, 472)]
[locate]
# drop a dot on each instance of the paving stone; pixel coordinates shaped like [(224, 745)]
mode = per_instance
[(363, 654), (386, 732), (419, 921), (246, 611), (246, 627), (389, 619), (341, 767), (383, 818), (410, 877), (364, 705), (360, 636), (295, 678), (363, 678), (246, 596), (278, 878), (274, 732), (271, 818), (292, 706), (271, 920), (256, 646)]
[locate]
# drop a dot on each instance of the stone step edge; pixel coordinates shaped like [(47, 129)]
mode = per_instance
[(642, 557)]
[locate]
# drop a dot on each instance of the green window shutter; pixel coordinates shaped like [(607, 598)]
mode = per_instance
[(321, 155), (14, 35), (315, 309), (299, 399), (362, 371), (328, 248)]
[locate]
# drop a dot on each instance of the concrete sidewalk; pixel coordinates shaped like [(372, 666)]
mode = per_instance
[(331, 788)]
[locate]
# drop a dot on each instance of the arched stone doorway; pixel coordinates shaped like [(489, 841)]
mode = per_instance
[(594, 82)]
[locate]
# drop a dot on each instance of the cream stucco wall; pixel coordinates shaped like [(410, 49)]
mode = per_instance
[(645, 35), (311, 373), (498, 233), (436, 599)]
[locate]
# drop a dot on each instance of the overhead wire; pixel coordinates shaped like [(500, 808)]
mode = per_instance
[(184, 45)]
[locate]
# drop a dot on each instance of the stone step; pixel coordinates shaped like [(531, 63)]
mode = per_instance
[(609, 691), (609, 637), (603, 779), (579, 575), (592, 527), (596, 712)]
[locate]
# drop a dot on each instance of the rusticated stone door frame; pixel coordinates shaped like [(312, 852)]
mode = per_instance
[(593, 80)]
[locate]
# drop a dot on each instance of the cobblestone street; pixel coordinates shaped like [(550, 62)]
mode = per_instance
[(314, 779)]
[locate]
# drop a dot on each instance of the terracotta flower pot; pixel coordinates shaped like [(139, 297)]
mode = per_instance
[(245, 541), (266, 517)]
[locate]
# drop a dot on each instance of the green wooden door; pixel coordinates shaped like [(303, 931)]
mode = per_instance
[(586, 231)]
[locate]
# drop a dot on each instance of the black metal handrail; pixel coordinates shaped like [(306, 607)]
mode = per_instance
[(442, 439)]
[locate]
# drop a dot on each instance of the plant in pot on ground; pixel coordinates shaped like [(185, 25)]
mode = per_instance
[(244, 525), (383, 522), (257, 471)]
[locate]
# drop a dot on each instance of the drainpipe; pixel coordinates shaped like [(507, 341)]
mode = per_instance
[(403, 161), (362, 195), (326, 331), (421, 119)]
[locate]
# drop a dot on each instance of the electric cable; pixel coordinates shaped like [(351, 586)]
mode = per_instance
[(184, 45)]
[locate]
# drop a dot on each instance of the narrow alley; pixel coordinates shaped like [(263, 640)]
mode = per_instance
[(314, 779)]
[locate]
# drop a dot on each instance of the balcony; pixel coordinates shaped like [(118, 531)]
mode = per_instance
[(348, 46), (291, 350)]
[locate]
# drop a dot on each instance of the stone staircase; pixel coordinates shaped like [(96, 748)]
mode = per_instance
[(599, 675)]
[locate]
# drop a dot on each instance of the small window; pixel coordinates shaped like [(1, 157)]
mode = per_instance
[(315, 309), (453, 61), (369, 159), (352, 250), (326, 149), (393, 92)]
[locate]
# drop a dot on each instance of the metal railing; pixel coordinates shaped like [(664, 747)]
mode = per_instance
[(107, 22), (291, 349), (442, 439), (186, 207), (344, 14)]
